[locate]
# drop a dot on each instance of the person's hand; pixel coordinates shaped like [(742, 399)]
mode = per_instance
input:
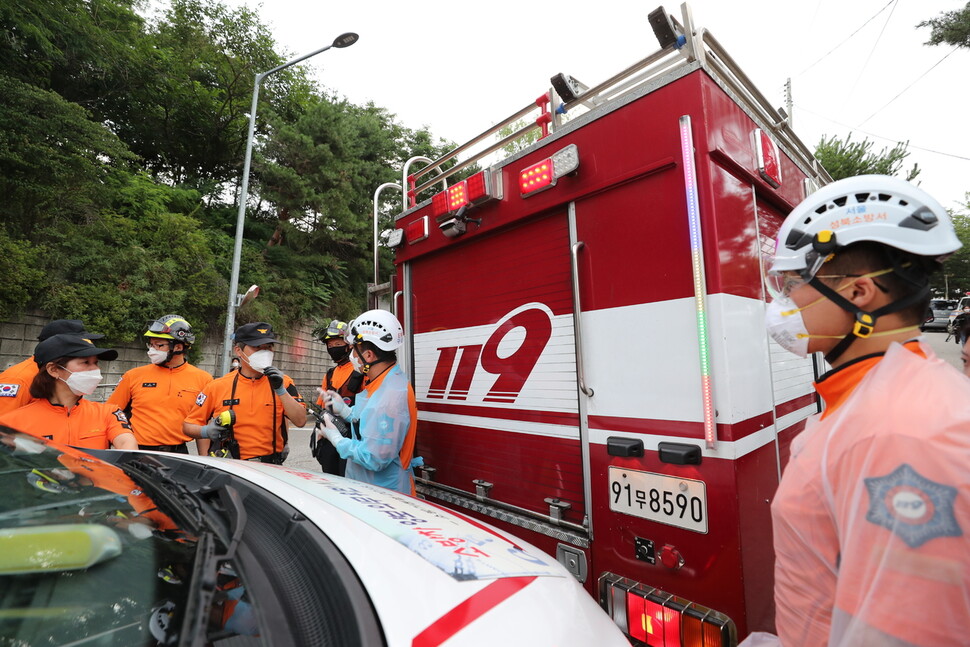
[(275, 376), (214, 431), (330, 430), (335, 403)]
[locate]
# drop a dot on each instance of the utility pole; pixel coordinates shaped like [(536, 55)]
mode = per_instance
[(788, 103)]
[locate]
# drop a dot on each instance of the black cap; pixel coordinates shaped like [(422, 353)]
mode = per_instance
[(65, 326), (255, 334), (65, 345)]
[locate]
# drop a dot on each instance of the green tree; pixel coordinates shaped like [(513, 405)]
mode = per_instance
[(191, 118), (957, 267), (951, 27), (848, 158), (526, 137), (53, 159)]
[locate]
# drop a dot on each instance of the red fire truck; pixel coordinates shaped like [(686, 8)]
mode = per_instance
[(586, 337)]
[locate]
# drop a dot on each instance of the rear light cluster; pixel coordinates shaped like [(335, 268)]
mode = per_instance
[(474, 190), (544, 174), (657, 619)]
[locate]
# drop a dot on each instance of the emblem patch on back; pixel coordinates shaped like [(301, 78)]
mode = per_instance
[(911, 506)]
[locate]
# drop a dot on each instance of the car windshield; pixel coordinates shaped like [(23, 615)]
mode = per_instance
[(86, 556)]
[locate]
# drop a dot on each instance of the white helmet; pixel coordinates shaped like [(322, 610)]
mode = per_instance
[(379, 327), (875, 208)]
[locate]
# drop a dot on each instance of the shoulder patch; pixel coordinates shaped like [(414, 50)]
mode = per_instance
[(9, 390), (911, 506), (200, 400)]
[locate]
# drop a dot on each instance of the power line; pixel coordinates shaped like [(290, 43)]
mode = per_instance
[(888, 139), (847, 38), (908, 86), (872, 51)]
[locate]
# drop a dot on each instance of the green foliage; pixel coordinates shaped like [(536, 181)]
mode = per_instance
[(53, 159), (951, 27), (123, 269), (848, 158), (20, 265), (525, 139), (122, 139), (957, 267)]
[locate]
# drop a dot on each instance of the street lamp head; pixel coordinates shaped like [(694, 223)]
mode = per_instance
[(345, 40)]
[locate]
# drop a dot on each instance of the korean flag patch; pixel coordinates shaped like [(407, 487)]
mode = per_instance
[(200, 400), (9, 390), (912, 507)]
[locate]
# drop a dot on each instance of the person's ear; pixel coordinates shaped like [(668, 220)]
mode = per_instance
[(51, 368), (863, 293)]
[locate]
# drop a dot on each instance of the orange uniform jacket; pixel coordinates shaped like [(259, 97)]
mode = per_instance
[(159, 399), (255, 428), (341, 373), (15, 385), (91, 425)]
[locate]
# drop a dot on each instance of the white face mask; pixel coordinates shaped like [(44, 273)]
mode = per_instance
[(260, 360), (784, 322), (157, 356), (355, 360), (83, 382)]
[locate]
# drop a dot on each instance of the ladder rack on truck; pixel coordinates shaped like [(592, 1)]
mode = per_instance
[(585, 334)]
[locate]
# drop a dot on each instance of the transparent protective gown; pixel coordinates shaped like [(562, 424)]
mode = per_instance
[(384, 420), (872, 518)]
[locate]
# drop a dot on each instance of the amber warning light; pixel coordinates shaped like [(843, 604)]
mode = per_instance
[(544, 174)]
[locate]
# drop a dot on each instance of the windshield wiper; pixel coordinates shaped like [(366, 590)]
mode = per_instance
[(200, 511)]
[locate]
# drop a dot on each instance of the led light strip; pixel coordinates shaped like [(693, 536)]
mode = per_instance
[(697, 263)]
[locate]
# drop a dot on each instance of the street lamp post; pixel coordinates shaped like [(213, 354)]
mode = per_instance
[(344, 40)]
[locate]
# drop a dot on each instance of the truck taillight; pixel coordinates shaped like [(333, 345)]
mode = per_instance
[(544, 174), (417, 230), (658, 619), (766, 158), (475, 190)]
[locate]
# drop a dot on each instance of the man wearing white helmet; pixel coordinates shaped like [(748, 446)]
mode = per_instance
[(385, 414), (872, 517)]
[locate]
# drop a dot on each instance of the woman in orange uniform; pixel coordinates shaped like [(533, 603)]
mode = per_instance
[(68, 370)]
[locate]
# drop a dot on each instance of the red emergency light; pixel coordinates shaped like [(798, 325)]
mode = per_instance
[(544, 174), (767, 158), (417, 230), (475, 190), (658, 619)]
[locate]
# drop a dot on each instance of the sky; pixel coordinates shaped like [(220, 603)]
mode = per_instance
[(460, 66)]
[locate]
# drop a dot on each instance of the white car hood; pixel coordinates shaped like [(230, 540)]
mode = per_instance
[(436, 577)]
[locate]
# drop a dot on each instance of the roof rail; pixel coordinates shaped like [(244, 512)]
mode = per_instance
[(690, 45)]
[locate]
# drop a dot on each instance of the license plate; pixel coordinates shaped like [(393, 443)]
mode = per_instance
[(665, 499)]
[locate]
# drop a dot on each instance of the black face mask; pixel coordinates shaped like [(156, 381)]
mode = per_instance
[(339, 354)]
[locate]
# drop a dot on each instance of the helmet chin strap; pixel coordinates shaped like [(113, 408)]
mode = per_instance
[(865, 322)]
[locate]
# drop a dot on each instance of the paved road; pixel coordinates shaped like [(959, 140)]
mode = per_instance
[(948, 350)]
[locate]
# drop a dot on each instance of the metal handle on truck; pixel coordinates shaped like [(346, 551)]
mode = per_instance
[(577, 322)]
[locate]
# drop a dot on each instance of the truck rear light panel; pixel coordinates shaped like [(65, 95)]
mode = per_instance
[(475, 190), (655, 618), (544, 174), (416, 230)]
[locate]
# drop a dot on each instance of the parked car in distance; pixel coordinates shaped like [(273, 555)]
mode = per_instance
[(135, 548), (942, 309)]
